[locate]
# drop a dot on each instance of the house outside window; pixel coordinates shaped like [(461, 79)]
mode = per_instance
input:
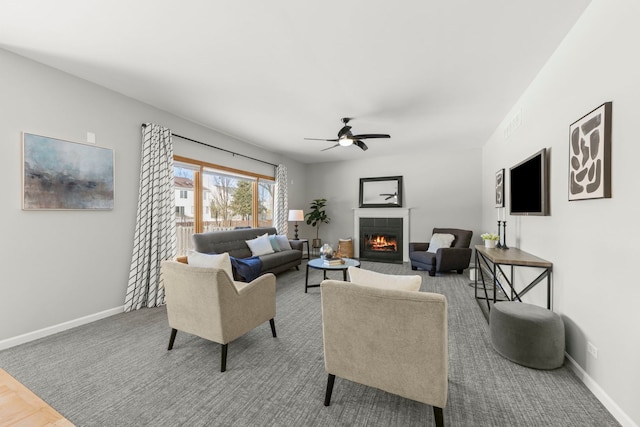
[(218, 198)]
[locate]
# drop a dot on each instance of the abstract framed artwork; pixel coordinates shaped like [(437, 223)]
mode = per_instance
[(500, 189), (383, 192), (590, 155), (65, 175)]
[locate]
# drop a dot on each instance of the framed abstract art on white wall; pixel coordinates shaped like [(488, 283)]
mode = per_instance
[(59, 174), (590, 155)]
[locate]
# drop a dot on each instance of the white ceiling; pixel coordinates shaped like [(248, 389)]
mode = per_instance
[(432, 73)]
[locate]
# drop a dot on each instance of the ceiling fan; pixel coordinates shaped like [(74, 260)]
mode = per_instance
[(346, 138)]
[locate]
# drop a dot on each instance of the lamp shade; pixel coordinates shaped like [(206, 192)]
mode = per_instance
[(296, 215)]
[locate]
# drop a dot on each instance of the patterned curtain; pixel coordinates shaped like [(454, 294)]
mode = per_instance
[(281, 202), (155, 235)]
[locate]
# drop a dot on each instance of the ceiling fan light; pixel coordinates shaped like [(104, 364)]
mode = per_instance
[(344, 141)]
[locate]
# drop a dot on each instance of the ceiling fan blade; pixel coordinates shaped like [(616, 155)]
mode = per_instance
[(329, 148), (320, 139), (371, 135), (361, 145)]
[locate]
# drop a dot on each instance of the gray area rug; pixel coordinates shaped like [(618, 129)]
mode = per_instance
[(118, 372)]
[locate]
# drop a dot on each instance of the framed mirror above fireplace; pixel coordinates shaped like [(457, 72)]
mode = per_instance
[(381, 192)]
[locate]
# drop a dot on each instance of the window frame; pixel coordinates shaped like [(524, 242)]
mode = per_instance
[(199, 167)]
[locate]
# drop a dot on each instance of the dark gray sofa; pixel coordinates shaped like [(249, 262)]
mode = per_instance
[(234, 242)]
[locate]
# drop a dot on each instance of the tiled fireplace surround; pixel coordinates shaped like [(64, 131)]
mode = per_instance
[(382, 213)]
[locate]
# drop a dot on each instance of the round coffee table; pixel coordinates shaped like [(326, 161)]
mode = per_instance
[(318, 264)]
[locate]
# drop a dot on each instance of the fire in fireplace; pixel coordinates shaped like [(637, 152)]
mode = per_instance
[(381, 242), (381, 239)]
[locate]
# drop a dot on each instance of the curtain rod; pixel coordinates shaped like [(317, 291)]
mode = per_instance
[(221, 149), (225, 150)]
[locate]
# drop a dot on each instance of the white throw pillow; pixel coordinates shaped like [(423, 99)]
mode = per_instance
[(283, 242), (384, 281), (260, 245), (197, 259), (439, 240)]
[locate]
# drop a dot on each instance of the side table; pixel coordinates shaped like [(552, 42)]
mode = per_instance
[(305, 242)]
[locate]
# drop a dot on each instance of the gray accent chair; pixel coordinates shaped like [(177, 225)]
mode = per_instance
[(457, 257), (394, 340), (207, 303)]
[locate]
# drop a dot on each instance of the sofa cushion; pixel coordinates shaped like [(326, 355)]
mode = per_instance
[(440, 240), (197, 259), (260, 245), (274, 260)]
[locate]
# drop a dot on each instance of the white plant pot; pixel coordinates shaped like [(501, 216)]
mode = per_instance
[(490, 244)]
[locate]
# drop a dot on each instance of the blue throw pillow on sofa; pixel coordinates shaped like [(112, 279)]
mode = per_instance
[(246, 269)]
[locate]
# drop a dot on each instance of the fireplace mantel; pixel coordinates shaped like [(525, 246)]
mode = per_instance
[(382, 213)]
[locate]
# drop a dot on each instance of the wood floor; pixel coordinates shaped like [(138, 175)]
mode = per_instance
[(19, 406)]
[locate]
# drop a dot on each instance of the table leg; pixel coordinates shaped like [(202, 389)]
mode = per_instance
[(548, 289), (495, 282), (306, 280), (344, 274)]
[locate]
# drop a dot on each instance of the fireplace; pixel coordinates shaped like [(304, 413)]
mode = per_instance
[(381, 239)]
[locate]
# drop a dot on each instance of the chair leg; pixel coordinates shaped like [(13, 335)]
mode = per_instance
[(437, 413), (173, 338), (273, 327), (414, 268), (460, 271), (223, 358), (432, 273), (327, 396)]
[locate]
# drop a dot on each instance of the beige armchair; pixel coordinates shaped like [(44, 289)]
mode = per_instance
[(385, 281), (207, 303), (390, 339)]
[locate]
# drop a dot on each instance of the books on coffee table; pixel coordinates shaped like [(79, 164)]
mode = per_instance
[(334, 261)]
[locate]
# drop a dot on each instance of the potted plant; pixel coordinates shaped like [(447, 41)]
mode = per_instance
[(316, 217), (490, 239)]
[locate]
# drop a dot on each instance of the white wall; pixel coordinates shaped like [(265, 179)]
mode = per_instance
[(591, 243), (441, 187), (59, 266)]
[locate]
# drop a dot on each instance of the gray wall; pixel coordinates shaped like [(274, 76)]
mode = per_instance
[(440, 187), (59, 266), (591, 243)]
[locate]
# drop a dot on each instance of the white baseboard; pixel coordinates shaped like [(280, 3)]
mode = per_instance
[(600, 394), (41, 333)]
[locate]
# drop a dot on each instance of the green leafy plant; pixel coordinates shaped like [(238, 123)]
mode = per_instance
[(317, 215), (490, 236)]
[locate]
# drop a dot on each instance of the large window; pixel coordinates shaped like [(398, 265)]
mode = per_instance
[(210, 197)]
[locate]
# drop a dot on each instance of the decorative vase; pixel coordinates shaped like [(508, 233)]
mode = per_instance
[(490, 244), (326, 251)]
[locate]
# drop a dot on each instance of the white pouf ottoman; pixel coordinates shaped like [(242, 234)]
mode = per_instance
[(527, 334)]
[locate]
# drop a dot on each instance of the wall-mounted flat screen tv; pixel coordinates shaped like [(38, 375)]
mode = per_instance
[(529, 182)]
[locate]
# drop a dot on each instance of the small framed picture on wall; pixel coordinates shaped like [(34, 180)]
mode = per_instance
[(500, 189)]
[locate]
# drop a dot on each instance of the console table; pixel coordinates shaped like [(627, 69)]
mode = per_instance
[(494, 259)]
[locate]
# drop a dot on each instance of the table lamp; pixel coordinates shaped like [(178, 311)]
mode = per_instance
[(296, 215)]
